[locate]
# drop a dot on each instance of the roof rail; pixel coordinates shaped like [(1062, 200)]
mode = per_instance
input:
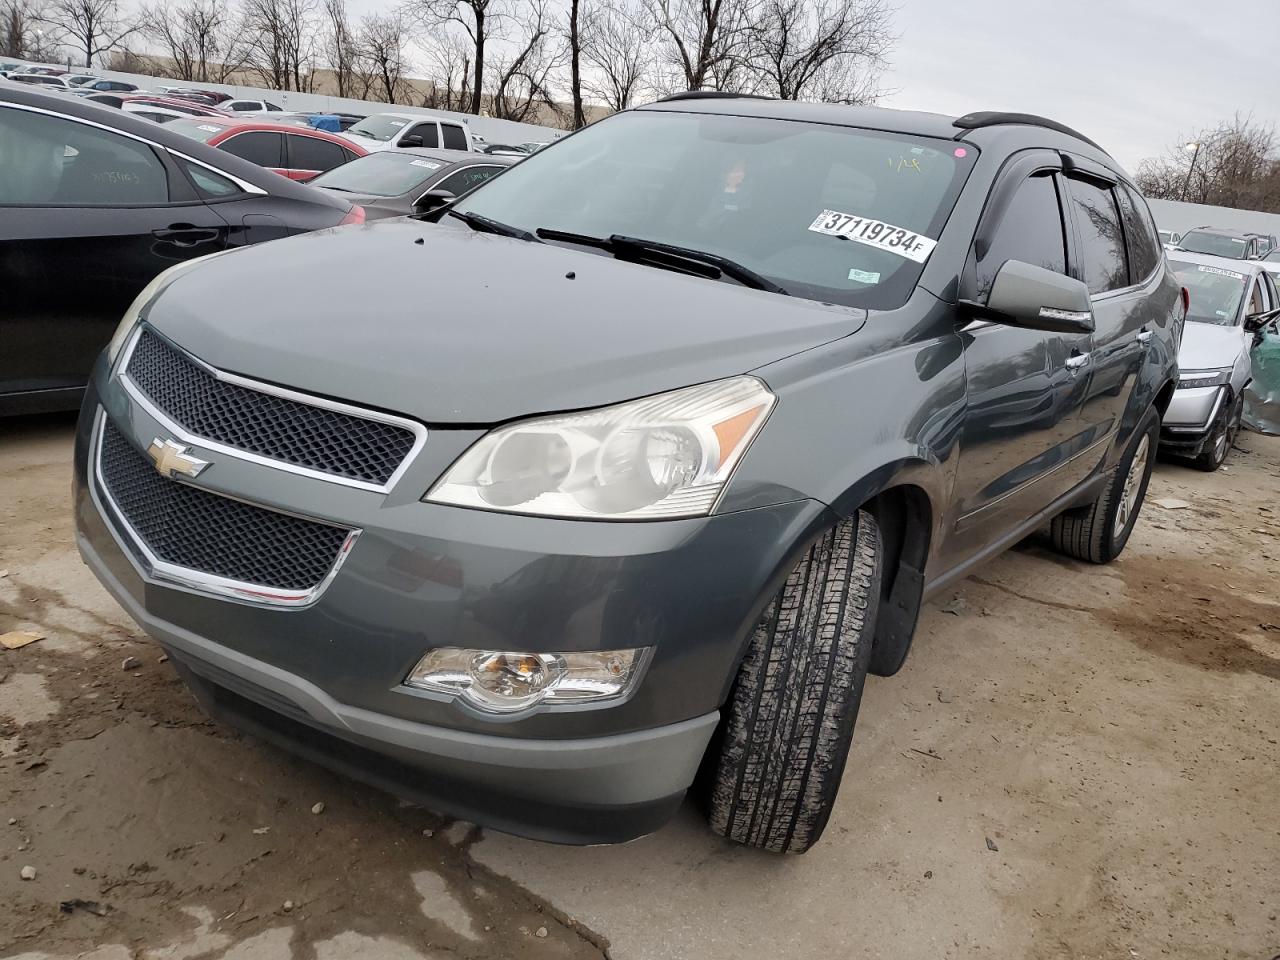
[(711, 95), (995, 118)]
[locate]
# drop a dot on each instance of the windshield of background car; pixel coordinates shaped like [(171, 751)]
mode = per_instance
[(378, 128), (1216, 292), (835, 214), (1214, 244), (196, 128), (380, 174)]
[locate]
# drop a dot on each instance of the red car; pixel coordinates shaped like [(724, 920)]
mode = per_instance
[(118, 100), (298, 153)]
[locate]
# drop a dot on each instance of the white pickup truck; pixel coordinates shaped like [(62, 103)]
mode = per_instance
[(382, 131)]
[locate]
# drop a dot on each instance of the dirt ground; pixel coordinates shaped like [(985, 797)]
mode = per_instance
[(1076, 762)]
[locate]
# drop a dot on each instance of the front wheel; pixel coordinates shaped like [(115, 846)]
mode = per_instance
[(1098, 531), (792, 710), (1222, 438)]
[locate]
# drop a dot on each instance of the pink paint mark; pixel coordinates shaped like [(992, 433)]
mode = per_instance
[(961, 152)]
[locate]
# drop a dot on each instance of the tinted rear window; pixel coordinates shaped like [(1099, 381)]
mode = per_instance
[(1215, 244)]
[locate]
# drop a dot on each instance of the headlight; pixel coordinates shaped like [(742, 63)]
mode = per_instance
[(659, 457), (1204, 378), (503, 682), (149, 293)]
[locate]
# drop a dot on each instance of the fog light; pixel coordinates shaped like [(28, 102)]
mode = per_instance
[(505, 682)]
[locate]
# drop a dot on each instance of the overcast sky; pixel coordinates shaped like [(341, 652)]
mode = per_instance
[(1134, 75)]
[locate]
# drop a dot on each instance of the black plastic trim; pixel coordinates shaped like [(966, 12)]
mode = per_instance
[(996, 118)]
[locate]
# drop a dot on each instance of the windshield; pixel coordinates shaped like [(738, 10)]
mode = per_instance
[(1214, 244), (378, 127), (195, 128), (1216, 292), (829, 213), (380, 174)]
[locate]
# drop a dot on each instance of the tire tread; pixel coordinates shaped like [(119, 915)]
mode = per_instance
[(792, 710)]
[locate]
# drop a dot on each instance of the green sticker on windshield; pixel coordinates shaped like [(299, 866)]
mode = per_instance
[(864, 276)]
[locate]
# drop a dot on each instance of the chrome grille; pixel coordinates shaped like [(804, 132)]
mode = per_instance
[(314, 437), (202, 531)]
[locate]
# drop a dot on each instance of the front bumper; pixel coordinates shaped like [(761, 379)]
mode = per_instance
[(1190, 418), (326, 679)]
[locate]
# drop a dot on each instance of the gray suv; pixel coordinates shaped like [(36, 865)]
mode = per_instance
[(632, 465)]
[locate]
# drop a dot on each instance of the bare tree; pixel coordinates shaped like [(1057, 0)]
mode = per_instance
[(699, 42), (449, 65), (198, 36), (281, 41), (574, 37), (341, 49), (618, 54), (522, 82), (479, 20), (382, 44), (832, 49), (90, 27), (1235, 164), (21, 34)]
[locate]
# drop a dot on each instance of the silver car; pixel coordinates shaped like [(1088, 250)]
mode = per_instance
[(1231, 301)]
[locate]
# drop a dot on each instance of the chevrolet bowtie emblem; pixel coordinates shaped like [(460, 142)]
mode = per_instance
[(172, 458)]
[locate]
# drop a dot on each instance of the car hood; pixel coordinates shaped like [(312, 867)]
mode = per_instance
[(452, 326), (371, 145), (1207, 346)]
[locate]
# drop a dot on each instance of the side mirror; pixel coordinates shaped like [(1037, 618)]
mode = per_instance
[(411, 141), (1256, 321), (1024, 295), (433, 200)]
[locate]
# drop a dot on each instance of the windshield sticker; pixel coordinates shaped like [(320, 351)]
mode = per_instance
[(864, 276), (208, 127), (1222, 273), (397, 123), (874, 233), (429, 164)]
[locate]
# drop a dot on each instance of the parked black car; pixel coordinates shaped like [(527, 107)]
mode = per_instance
[(94, 204), (639, 460), (396, 182)]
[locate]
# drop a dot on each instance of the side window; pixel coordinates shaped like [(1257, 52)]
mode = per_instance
[(1256, 302), (1102, 255), (312, 153), (256, 146), (50, 160), (428, 133), (210, 185), (464, 181), (454, 137), (1031, 231), (1144, 244), (242, 105)]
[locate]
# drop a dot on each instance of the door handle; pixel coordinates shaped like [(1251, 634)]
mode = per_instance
[(1076, 361), (185, 235), (1144, 336)]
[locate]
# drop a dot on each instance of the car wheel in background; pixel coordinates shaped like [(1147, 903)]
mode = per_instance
[(1222, 438), (791, 713), (1098, 531)]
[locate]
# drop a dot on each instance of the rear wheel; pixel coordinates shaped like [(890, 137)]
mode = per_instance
[(1098, 531), (1222, 438), (791, 714)]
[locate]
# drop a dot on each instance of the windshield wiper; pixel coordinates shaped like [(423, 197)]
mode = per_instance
[(487, 225), (714, 265)]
